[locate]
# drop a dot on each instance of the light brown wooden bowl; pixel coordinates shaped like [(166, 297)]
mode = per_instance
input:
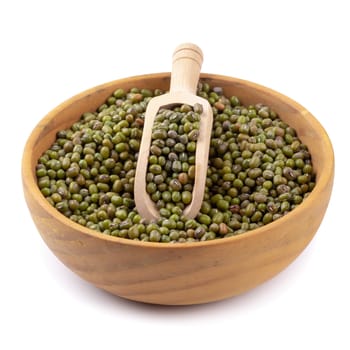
[(190, 273)]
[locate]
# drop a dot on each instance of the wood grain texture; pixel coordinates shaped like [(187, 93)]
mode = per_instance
[(180, 274)]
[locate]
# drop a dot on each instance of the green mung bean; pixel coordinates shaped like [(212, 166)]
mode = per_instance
[(258, 169)]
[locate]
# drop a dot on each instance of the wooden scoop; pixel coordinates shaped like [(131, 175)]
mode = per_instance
[(187, 62)]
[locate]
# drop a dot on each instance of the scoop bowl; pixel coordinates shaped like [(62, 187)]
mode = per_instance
[(180, 273)]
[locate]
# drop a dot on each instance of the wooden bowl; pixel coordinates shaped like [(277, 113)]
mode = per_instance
[(190, 273)]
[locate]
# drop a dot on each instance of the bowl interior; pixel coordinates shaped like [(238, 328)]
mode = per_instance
[(308, 128)]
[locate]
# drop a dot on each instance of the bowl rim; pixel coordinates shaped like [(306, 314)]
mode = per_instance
[(322, 177)]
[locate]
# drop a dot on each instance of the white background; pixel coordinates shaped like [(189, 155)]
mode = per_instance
[(51, 50)]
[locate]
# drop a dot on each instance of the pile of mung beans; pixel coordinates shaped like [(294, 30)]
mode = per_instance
[(258, 169)]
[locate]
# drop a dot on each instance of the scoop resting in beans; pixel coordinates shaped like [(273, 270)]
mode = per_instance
[(258, 168)]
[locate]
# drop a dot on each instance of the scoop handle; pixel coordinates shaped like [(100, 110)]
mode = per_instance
[(186, 67)]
